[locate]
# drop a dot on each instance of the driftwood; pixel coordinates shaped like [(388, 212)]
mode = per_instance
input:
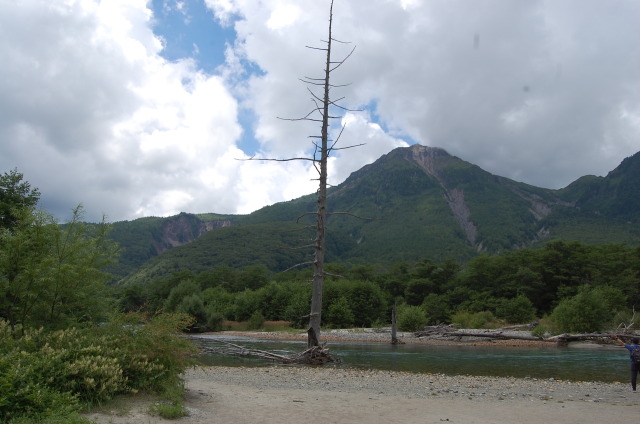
[(510, 333), (451, 331), (315, 355)]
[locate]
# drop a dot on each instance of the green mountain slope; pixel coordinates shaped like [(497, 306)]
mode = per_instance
[(412, 203)]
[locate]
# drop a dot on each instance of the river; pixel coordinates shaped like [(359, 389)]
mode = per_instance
[(595, 363)]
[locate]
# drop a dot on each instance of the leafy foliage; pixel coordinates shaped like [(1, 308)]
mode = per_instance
[(515, 287), (46, 374), (15, 196), (411, 318), (589, 310), (516, 310), (51, 274)]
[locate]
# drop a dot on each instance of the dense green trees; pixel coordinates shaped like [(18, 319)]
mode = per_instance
[(50, 274), (15, 196), (557, 281)]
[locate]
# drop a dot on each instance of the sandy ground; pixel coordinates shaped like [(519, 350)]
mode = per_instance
[(288, 395)]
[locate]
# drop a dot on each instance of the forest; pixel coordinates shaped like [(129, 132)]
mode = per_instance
[(570, 286)]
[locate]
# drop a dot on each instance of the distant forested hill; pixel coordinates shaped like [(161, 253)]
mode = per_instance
[(415, 202)]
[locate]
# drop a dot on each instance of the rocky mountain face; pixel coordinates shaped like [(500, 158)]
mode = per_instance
[(182, 229)]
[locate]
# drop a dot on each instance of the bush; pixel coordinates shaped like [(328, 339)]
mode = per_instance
[(53, 374), (585, 312), (194, 306), (518, 310), (465, 319), (437, 308), (256, 321), (298, 310), (339, 314), (215, 320), (541, 330), (185, 289), (411, 318)]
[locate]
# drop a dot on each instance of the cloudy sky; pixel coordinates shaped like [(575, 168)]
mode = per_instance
[(136, 108)]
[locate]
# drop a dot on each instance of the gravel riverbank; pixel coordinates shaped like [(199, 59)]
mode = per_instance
[(416, 386)]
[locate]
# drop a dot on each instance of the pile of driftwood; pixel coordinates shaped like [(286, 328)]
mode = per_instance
[(315, 355), (519, 332)]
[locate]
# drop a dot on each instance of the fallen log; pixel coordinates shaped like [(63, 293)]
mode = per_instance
[(491, 334)]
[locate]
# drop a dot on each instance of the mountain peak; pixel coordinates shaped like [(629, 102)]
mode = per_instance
[(428, 158)]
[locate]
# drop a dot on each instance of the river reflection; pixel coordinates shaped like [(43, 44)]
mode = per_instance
[(570, 363)]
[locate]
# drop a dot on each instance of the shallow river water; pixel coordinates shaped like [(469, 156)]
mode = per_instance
[(606, 364)]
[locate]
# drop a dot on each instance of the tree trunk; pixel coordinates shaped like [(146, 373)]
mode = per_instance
[(394, 326), (315, 317)]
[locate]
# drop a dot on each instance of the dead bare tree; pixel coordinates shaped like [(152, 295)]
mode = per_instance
[(323, 150), (323, 146)]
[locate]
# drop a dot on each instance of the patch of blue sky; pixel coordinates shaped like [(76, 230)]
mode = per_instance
[(375, 117), (190, 30), (247, 143)]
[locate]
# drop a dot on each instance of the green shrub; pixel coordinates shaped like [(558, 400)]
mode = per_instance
[(483, 319), (541, 330), (518, 310), (183, 290), (297, 311), (339, 314), (244, 305), (411, 318), (172, 407), (437, 308), (51, 374), (194, 306), (215, 320), (256, 321), (585, 312)]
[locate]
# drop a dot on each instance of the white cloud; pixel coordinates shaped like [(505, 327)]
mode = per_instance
[(284, 15), (95, 116), (543, 92), (532, 91)]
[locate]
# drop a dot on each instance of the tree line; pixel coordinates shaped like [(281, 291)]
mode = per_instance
[(578, 287)]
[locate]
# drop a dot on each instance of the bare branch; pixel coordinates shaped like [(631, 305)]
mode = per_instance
[(305, 214), (337, 138), (341, 42), (341, 62), (349, 147), (317, 48), (298, 265), (276, 160), (353, 215)]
